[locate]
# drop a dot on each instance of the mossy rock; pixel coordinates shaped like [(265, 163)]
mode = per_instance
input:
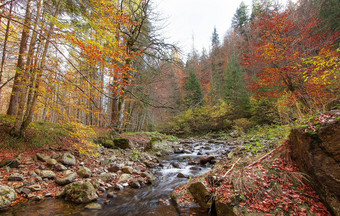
[(150, 145), (104, 141), (122, 143)]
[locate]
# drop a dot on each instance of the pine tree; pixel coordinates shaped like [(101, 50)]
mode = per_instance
[(240, 18), (193, 90), (234, 89)]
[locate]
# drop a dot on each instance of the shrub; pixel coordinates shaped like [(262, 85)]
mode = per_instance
[(242, 124)]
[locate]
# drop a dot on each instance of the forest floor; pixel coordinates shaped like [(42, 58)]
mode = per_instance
[(258, 178)]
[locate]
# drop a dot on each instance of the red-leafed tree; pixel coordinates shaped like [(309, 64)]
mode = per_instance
[(282, 41)]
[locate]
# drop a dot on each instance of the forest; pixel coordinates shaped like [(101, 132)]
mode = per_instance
[(99, 70)]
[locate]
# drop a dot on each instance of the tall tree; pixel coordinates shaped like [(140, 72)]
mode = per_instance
[(20, 68), (240, 18)]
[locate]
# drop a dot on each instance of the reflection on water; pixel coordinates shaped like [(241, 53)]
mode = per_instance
[(148, 201)]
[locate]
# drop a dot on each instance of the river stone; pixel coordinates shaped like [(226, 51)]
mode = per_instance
[(51, 162), (150, 178), (80, 192), (84, 172), (181, 175), (124, 178), (42, 157), (47, 174), (66, 180), (106, 177), (59, 167), (94, 206), (127, 169), (68, 159), (201, 194), (35, 187), (118, 187), (16, 177), (175, 165), (7, 196), (134, 184), (207, 159)]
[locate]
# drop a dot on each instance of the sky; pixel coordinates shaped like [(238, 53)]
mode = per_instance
[(191, 22)]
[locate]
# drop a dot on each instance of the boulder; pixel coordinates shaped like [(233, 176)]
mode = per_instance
[(51, 162), (80, 192), (122, 143), (201, 194), (16, 177), (59, 167), (47, 174), (68, 159), (127, 169), (7, 196), (66, 180), (42, 157), (106, 177), (208, 159), (175, 165), (181, 175), (135, 184), (35, 187), (159, 145), (124, 178), (84, 172), (150, 178), (318, 155)]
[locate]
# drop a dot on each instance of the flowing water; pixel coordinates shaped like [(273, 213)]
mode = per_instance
[(147, 201)]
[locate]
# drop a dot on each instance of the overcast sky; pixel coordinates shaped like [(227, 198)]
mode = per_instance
[(196, 18)]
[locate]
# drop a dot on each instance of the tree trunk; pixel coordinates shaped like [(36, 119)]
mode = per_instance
[(13, 103), (30, 112), (5, 45), (25, 76)]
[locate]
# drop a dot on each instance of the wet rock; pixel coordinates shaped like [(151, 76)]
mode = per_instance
[(84, 172), (195, 168), (47, 174), (199, 153), (181, 175), (175, 165), (51, 162), (59, 167), (201, 194), (79, 192), (178, 150), (127, 169), (106, 177), (102, 189), (114, 168), (96, 206), (35, 187), (193, 162), (35, 197), (16, 177), (135, 184), (42, 157), (207, 159), (7, 196), (150, 178), (186, 151), (124, 178), (66, 180), (150, 164), (68, 159), (118, 187), (111, 195)]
